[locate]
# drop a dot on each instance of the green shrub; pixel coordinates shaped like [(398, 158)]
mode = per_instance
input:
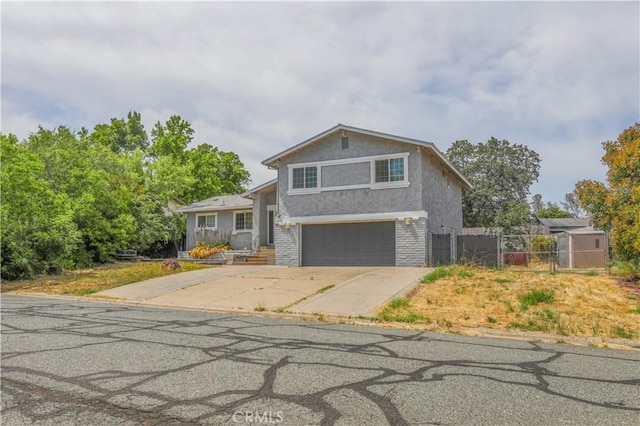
[(627, 269), (436, 274), (398, 302), (619, 331), (536, 297)]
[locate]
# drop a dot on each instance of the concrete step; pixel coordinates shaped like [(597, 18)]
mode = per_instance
[(250, 260)]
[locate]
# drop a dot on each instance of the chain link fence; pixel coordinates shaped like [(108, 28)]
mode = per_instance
[(568, 251)]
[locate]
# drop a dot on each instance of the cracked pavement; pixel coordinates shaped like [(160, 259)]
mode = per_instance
[(67, 362)]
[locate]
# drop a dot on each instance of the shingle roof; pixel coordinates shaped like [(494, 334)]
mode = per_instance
[(220, 202), (567, 222)]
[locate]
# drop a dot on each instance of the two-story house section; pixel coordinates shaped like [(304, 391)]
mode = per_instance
[(351, 196)]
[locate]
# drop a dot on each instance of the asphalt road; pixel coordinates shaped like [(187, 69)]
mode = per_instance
[(67, 362)]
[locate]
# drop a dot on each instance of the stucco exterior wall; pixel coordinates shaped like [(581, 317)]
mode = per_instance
[(442, 197), (431, 188), (351, 201)]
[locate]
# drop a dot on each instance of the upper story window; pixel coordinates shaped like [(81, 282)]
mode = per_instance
[(242, 221), (305, 177), (370, 172), (389, 170), (207, 221)]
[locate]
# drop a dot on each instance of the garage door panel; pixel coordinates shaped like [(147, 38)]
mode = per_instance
[(349, 244)]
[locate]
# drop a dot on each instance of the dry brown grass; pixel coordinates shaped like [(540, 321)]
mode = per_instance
[(583, 305), (88, 281)]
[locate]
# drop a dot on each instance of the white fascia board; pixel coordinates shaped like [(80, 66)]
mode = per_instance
[(216, 209), (358, 217)]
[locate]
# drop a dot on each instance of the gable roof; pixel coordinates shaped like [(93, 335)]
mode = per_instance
[(221, 202), (436, 154)]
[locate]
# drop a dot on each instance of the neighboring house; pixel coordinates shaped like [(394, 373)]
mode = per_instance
[(173, 204), (346, 196), (557, 225)]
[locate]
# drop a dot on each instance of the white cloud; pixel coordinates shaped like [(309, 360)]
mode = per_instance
[(256, 78)]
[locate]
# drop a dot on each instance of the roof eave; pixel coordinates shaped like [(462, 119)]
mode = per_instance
[(272, 161), (214, 208)]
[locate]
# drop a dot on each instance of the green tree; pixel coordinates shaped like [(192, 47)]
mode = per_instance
[(501, 174), (99, 184), (37, 229), (552, 211), (215, 172), (174, 171), (121, 135), (171, 139), (616, 206), (541, 210), (572, 205), (536, 204)]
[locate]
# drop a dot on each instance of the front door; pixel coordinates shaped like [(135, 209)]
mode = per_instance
[(270, 223)]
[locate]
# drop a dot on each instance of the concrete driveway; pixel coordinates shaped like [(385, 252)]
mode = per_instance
[(356, 290)]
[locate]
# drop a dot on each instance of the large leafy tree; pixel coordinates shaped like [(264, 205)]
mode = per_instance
[(171, 138), (100, 185), (73, 198), (615, 206), (122, 135), (216, 172), (175, 171), (37, 229), (501, 174)]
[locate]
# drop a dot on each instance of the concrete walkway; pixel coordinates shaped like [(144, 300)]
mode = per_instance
[(363, 294)]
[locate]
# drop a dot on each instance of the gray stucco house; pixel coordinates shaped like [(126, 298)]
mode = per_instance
[(347, 196)]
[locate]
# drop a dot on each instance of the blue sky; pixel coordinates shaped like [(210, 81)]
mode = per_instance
[(256, 78)]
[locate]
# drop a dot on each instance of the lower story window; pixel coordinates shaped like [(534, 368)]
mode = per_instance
[(206, 221), (243, 221)]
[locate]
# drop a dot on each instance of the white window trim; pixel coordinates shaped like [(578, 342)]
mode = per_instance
[(315, 190), (206, 214), (356, 160), (395, 184), (239, 231)]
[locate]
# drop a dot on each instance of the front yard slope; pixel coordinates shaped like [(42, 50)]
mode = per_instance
[(457, 298)]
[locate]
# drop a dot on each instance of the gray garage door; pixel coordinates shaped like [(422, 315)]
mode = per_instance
[(349, 244)]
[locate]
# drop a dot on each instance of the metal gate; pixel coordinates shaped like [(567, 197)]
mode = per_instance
[(478, 250), (440, 249)]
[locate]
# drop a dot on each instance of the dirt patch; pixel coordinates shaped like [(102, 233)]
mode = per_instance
[(559, 304), (85, 282)]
